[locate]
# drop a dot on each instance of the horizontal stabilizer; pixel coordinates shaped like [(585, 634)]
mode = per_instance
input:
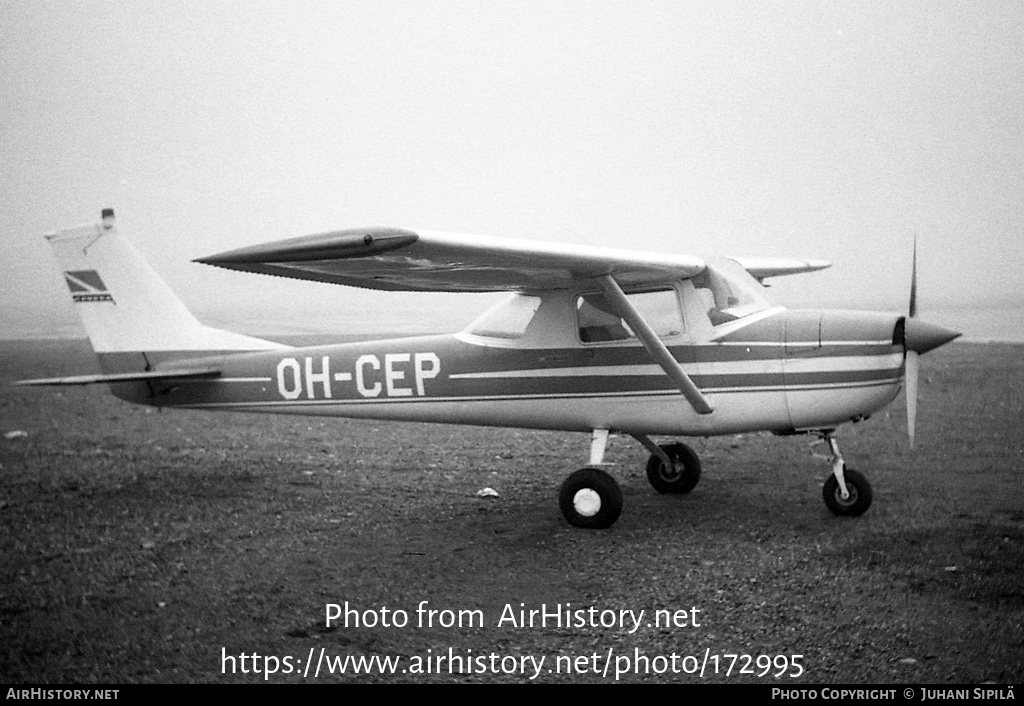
[(141, 376)]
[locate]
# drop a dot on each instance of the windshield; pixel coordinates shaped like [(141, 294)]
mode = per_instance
[(728, 291)]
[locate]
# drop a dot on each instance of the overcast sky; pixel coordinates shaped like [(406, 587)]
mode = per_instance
[(815, 129)]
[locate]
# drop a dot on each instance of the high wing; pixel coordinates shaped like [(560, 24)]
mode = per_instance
[(406, 260), (763, 267)]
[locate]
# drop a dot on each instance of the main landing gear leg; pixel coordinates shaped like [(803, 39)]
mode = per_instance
[(846, 492), (590, 498)]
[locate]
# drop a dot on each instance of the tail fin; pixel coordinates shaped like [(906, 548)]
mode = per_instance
[(133, 319)]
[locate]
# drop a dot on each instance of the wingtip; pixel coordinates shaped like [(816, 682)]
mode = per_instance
[(342, 244)]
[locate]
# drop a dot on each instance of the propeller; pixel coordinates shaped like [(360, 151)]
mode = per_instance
[(913, 358), (918, 337)]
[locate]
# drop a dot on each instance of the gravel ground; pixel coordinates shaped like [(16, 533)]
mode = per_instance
[(146, 546)]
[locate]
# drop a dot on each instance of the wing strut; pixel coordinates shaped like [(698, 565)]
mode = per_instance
[(654, 346)]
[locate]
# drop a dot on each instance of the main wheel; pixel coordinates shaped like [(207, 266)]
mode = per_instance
[(591, 499), (860, 494), (684, 474)]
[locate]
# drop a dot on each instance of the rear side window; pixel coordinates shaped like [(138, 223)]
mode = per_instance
[(509, 319)]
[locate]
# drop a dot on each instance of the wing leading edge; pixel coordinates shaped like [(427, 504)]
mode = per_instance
[(763, 267), (405, 260)]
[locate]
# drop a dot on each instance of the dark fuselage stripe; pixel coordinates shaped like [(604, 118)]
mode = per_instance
[(670, 393)]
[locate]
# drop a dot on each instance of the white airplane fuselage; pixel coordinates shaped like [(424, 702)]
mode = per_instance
[(786, 370)]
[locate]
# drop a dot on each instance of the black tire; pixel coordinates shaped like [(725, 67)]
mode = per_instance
[(591, 499), (860, 494), (684, 474)]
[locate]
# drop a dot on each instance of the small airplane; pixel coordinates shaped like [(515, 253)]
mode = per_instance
[(590, 339)]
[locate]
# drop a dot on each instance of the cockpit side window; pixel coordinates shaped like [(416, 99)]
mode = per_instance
[(597, 322)]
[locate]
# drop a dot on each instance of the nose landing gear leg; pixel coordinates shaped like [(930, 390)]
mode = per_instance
[(846, 492)]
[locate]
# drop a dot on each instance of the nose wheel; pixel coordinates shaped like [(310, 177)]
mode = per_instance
[(858, 494), (846, 492)]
